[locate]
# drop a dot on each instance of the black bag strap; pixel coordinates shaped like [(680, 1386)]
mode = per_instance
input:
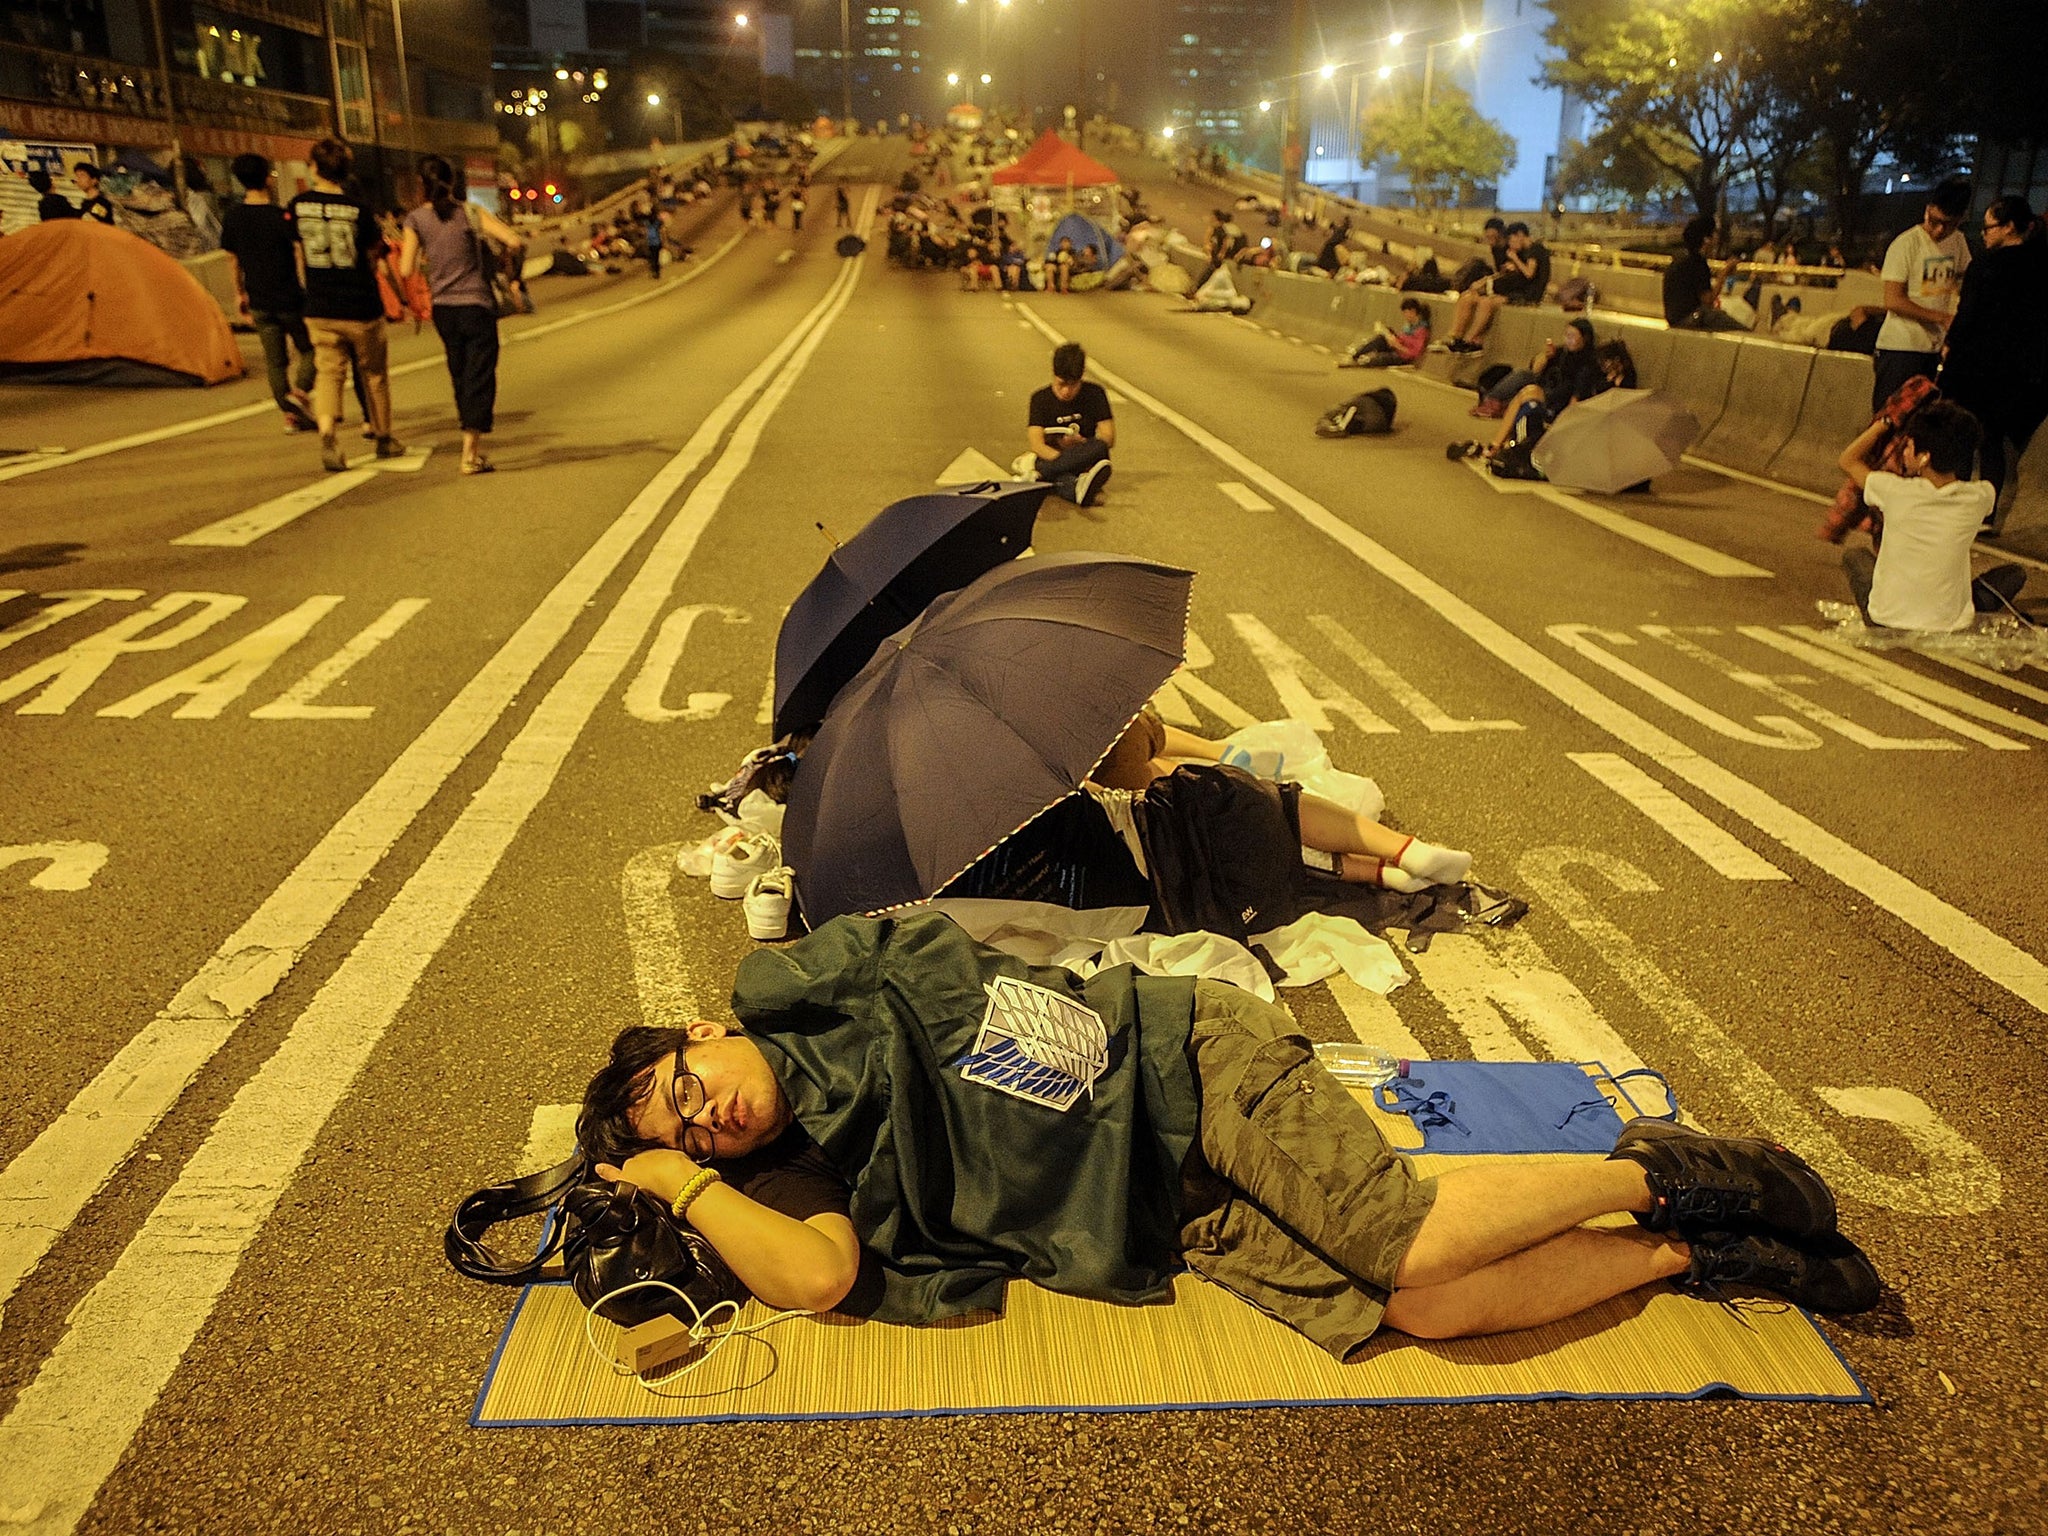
[(509, 1201)]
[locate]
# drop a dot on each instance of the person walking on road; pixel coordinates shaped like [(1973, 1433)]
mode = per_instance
[(1996, 360), (796, 211), (842, 209), (1923, 275), (338, 240), (453, 237), (257, 235), (651, 236), (1071, 429)]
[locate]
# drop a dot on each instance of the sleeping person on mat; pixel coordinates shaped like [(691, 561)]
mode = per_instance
[(907, 1109)]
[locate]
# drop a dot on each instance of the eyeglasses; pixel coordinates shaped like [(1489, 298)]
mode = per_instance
[(687, 1097)]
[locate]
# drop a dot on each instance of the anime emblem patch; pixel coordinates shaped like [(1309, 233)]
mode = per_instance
[(1037, 1044)]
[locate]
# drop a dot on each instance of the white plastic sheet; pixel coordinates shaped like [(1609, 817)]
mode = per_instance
[(2001, 641), (1291, 749)]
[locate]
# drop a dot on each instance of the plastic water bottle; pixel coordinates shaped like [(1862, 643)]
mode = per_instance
[(1360, 1066)]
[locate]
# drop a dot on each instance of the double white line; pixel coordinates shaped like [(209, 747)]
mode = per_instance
[(71, 1424)]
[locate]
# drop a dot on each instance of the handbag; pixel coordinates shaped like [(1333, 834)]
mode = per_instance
[(607, 1236)]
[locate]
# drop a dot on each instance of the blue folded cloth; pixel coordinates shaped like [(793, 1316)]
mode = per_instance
[(1511, 1106)]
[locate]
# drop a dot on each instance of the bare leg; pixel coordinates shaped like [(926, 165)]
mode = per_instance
[(1372, 854), (1557, 1278), (1489, 305), (1482, 1215), (1462, 315), (1187, 745)]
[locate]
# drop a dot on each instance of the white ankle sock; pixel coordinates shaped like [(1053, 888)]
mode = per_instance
[(1433, 865)]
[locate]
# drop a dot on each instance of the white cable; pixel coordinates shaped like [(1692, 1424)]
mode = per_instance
[(699, 1330)]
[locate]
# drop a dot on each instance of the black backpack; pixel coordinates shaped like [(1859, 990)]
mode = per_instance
[(1368, 415)]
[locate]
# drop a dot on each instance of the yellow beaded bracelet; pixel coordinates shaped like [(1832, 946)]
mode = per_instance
[(700, 1181)]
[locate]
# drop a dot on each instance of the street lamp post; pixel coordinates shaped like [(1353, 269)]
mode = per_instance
[(845, 62), (1290, 127), (1463, 42), (676, 107)]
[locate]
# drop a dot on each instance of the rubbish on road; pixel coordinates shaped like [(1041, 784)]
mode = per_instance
[(1368, 415), (1618, 438), (2002, 641), (913, 552), (1291, 750), (1359, 1066), (1218, 295), (82, 303), (987, 711), (849, 245)]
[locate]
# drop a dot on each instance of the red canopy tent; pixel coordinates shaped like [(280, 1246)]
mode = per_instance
[(1055, 164)]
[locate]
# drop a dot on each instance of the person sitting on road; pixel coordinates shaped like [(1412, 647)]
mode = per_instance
[(1087, 261), (1919, 575), (977, 269), (852, 1143), (1524, 278), (1387, 348), (1692, 295), (1062, 265), (1533, 407), (1071, 428)]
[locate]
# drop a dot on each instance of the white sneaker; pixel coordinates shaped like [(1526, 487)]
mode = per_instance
[(733, 869), (1024, 466), (767, 904), (1088, 484)]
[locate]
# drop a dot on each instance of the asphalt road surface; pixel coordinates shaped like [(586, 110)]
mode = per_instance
[(347, 861)]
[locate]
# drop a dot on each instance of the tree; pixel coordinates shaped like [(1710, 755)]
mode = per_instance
[(1685, 82), (1446, 156), (1614, 167)]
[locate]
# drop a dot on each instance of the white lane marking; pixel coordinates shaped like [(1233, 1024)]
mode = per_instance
[(1906, 680), (1784, 733), (1174, 694), (1957, 1178), (643, 694), (1967, 668), (1708, 562), (661, 975), (68, 865), (45, 1187), (67, 603), (1499, 988), (411, 462), (1775, 689), (418, 365), (550, 1138), (1306, 691), (68, 1428), (1410, 697), (296, 702), (1244, 496), (1991, 955), (1375, 1020), (246, 527), (1723, 852), (970, 465), (1851, 669), (70, 672), (210, 685)]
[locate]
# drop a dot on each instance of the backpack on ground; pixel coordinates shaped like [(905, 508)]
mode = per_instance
[(1368, 415)]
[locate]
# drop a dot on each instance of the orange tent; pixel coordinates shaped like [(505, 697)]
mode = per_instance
[(84, 303), (1058, 164)]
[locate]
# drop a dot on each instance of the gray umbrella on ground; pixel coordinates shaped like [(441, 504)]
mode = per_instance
[(1615, 440)]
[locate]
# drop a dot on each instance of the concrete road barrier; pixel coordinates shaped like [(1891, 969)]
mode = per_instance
[(1833, 410), (1765, 391), (1700, 367)]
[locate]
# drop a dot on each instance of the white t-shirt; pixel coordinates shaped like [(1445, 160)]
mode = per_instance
[(1933, 274), (1923, 565)]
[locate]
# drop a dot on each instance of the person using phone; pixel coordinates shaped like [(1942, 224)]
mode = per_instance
[(1071, 429)]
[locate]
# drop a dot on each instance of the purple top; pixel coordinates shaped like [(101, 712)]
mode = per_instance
[(454, 257)]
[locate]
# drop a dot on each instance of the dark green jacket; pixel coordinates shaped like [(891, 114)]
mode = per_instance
[(871, 1024)]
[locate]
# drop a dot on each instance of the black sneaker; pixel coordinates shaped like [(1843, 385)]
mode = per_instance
[(1704, 1183), (1089, 483), (1461, 345), (1830, 1274)]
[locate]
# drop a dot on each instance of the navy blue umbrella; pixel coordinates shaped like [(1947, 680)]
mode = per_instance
[(884, 577), (990, 708)]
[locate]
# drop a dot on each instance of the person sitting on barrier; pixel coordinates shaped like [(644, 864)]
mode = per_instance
[(1919, 575), (1387, 348), (1071, 428), (1692, 294), (1524, 278), (902, 1121), (1480, 268)]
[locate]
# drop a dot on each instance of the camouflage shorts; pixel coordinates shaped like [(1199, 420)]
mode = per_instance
[(1296, 1203)]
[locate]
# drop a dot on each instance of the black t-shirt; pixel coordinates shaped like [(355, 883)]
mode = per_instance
[(1082, 413), (1517, 289), (97, 207), (791, 1175), (1685, 280), (259, 237), (340, 239), (55, 205)]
